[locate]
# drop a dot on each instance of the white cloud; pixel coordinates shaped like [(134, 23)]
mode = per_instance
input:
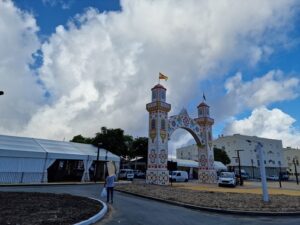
[(18, 41), (112, 60), (64, 4), (274, 124), (272, 87)]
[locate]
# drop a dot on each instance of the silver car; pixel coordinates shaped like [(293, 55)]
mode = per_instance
[(227, 179)]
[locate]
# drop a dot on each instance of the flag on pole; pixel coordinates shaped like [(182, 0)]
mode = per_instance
[(162, 77), (204, 97)]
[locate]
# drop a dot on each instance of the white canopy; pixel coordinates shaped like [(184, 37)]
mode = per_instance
[(24, 159), (23, 147), (194, 164)]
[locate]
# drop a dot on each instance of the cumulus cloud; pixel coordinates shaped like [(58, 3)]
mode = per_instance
[(99, 69), (18, 42), (274, 86), (274, 124)]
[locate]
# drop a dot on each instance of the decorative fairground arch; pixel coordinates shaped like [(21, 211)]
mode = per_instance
[(160, 130)]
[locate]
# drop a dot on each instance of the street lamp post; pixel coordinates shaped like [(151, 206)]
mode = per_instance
[(258, 149), (279, 174), (240, 172), (105, 170), (252, 168), (97, 162), (296, 173)]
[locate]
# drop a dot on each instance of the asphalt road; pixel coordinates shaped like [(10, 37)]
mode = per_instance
[(132, 210)]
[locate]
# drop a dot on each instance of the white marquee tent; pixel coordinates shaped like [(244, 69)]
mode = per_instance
[(26, 160), (193, 164)]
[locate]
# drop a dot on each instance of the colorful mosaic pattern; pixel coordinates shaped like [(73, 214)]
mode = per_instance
[(184, 121), (163, 156), (160, 177), (207, 176)]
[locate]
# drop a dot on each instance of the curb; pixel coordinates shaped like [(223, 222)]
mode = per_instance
[(216, 210), (59, 184), (96, 217)]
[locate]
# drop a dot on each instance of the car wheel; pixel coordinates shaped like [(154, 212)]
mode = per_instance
[(186, 180)]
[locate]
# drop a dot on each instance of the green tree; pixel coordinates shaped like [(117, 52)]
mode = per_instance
[(80, 139), (139, 147), (113, 140), (221, 155)]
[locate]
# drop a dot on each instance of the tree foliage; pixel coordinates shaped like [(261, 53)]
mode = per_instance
[(80, 139), (139, 147), (113, 140), (221, 155)]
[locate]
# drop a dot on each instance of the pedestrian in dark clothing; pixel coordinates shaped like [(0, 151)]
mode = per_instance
[(110, 184)]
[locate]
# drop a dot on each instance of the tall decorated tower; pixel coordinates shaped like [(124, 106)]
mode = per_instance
[(158, 109), (206, 172)]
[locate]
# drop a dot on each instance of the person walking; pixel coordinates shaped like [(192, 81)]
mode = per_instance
[(110, 184)]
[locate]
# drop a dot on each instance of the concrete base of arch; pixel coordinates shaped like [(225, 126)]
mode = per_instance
[(159, 177), (207, 176)]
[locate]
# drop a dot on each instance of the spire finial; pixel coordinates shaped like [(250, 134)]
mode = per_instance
[(204, 99)]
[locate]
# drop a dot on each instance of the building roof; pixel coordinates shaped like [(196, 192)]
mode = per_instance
[(158, 86), (202, 104), (12, 146), (194, 164)]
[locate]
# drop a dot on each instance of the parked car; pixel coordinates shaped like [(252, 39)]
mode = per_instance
[(227, 179), (179, 176), (245, 175), (272, 177), (284, 176), (139, 174), (126, 174)]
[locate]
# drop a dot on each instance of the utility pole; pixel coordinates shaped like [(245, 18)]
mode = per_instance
[(97, 162), (252, 168), (296, 173), (240, 172), (279, 174)]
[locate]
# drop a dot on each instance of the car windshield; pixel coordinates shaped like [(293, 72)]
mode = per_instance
[(227, 175)]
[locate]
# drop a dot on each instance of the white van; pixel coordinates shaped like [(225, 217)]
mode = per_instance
[(126, 174), (179, 176)]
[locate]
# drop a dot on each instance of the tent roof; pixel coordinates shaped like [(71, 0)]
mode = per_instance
[(12, 146), (194, 164)]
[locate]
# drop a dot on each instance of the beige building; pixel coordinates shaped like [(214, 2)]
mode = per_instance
[(273, 153), (292, 158)]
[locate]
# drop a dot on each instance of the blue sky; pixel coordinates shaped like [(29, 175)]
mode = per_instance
[(75, 66)]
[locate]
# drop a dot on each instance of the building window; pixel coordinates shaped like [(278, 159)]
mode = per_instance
[(153, 94), (163, 124), (153, 124), (265, 162), (163, 95)]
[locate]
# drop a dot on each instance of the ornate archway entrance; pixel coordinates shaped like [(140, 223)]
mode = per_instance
[(160, 130)]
